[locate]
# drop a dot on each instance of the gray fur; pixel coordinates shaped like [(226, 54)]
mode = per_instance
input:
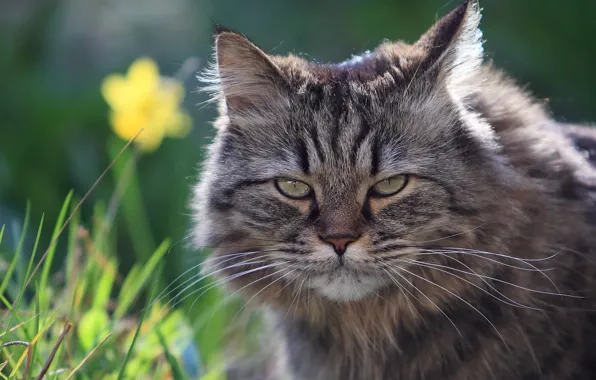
[(494, 182)]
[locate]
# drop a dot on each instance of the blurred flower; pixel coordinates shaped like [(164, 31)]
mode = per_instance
[(143, 99)]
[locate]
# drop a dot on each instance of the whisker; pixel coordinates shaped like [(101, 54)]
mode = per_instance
[(203, 257), (247, 285), (308, 296), (389, 238), (239, 247), (404, 289), (161, 295), (202, 321), (429, 300), (226, 280), (381, 280), (530, 269), (264, 242), (194, 267), (286, 285), (473, 253), (532, 353), (523, 259), (194, 279), (463, 300), (227, 299), (499, 280), (231, 296), (582, 254), (434, 266), (212, 273), (451, 236), (257, 280), (265, 287), (297, 293), (433, 228), (300, 292), (237, 254)]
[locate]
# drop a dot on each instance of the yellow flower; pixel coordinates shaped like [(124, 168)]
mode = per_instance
[(143, 99)]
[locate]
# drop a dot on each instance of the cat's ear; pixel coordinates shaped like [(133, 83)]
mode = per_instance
[(247, 80), (453, 45)]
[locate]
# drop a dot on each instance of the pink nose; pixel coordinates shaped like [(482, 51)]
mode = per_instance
[(340, 242)]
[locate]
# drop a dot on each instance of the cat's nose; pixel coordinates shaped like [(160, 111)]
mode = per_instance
[(339, 242)]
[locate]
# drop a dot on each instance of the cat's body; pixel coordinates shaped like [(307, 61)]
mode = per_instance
[(558, 343), (479, 265)]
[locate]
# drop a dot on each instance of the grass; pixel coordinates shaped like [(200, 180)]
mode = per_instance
[(83, 319)]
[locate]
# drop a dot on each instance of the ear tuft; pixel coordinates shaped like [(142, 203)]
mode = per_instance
[(454, 44), (243, 77), (218, 29)]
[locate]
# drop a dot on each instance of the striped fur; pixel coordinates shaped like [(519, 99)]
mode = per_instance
[(482, 267)]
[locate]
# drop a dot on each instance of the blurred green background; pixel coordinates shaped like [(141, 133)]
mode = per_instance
[(54, 53)]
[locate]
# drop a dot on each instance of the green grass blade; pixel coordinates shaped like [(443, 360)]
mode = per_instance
[(29, 266), (131, 279), (37, 320), (98, 235), (47, 265), (104, 286), (21, 245), (19, 299), (177, 372), (131, 294), (33, 252), (6, 303), (18, 252), (11, 269), (71, 254), (143, 313), (32, 341), (35, 245)]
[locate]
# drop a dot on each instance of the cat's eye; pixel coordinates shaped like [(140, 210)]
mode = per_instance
[(389, 186), (292, 188)]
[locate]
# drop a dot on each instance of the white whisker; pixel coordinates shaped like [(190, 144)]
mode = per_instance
[(437, 267), (451, 236), (406, 292), (478, 253), (509, 283), (429, 300), (194, 267), (297, 293), (463, 300), (193, 279), (221, 282)]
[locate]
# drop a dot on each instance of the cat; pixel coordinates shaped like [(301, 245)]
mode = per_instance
[(408, 214)]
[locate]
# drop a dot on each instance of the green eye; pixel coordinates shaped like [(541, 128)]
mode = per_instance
[(389, 186), (292, 188)]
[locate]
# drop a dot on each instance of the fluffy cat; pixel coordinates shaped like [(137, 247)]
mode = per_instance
[(407, 214)]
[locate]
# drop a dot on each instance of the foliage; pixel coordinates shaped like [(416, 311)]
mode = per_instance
[(84, 321), (88, 319)]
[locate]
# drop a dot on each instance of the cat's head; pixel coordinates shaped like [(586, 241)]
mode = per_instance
[(328, 176)]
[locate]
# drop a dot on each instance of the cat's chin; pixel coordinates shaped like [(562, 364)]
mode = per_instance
[(345, 286)]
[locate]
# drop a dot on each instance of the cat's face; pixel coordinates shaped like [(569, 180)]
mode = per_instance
[(327, 178)]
